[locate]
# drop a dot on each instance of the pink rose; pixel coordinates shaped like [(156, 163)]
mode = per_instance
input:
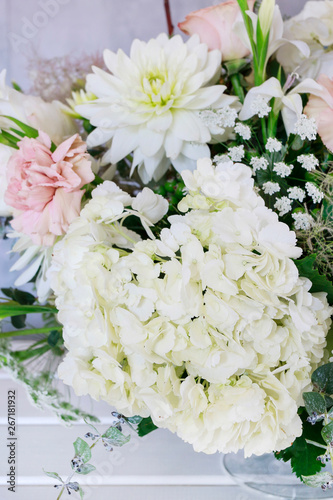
[(45, 187), (321, 109), (214, 25)]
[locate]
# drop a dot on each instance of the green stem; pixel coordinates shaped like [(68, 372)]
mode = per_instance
[(239, 91), (32, 331), (61, 492), (263, 129)]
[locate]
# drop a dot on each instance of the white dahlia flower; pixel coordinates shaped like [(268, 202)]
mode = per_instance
[(160, 103), (208, 329)]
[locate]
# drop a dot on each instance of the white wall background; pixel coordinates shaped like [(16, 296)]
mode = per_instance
[(52, 28), (161, 466)]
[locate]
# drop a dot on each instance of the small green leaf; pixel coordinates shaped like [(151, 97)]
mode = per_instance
[(115, 437), (314, 402), (134, 420), (322, 378), (318, 479), (54, 475), (18, 321), (327, 433), (81, 492), (86, 469), (54, 338), (16, 86), (146, 426), (319, 282), (91, 426), (82, 449)]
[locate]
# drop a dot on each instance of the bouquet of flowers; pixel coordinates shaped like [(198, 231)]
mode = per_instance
[(175, 217)]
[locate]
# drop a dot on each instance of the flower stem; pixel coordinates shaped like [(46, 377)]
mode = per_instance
[(32, 331), (239, 91), (168, 17), (61, 492)]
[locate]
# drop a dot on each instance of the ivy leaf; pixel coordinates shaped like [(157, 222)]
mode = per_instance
[(146, 426), (318, 479), (327, 432), (319, 282), (314, 402), (54, 475), (302, 455), (115, 437), (322, 378), (82, 449), (86, 469)]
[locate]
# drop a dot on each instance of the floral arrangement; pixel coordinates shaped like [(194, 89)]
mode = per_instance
[(175, 216)]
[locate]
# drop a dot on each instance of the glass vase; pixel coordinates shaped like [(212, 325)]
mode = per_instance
[(270, 476)]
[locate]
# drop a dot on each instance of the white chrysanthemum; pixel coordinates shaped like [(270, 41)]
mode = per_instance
[(151, 104), (208, 329)]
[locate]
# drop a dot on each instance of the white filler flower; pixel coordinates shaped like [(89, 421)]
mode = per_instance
[(208, 329), (151, 104)]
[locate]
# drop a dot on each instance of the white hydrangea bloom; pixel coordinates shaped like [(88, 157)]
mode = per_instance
[(306, 128), (244, 131), (273, 145), (314, 192), (282, 169), (302, 221), (270, 187), (258, 163), (283, 205), (296, 193), (160, 104), (309, 162), (208, 329), (236, 153)]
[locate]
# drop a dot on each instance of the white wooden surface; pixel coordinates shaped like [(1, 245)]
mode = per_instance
[(159, 466)]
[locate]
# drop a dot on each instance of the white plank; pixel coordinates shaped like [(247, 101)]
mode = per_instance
[(138, 493)]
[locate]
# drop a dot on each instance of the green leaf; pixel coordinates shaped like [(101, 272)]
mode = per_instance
[(18, 321), (29, 131), (54, 338), (318, 479), (302, 455), (146, 426), (327, 433), (115, 437), (314, 402), (9, 309), (322, 378), (81, 492), (23, 298), (86, 469), (91, 426), (319, 282), (54, 475), (82, 449), (16, 86), (134, 420)]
